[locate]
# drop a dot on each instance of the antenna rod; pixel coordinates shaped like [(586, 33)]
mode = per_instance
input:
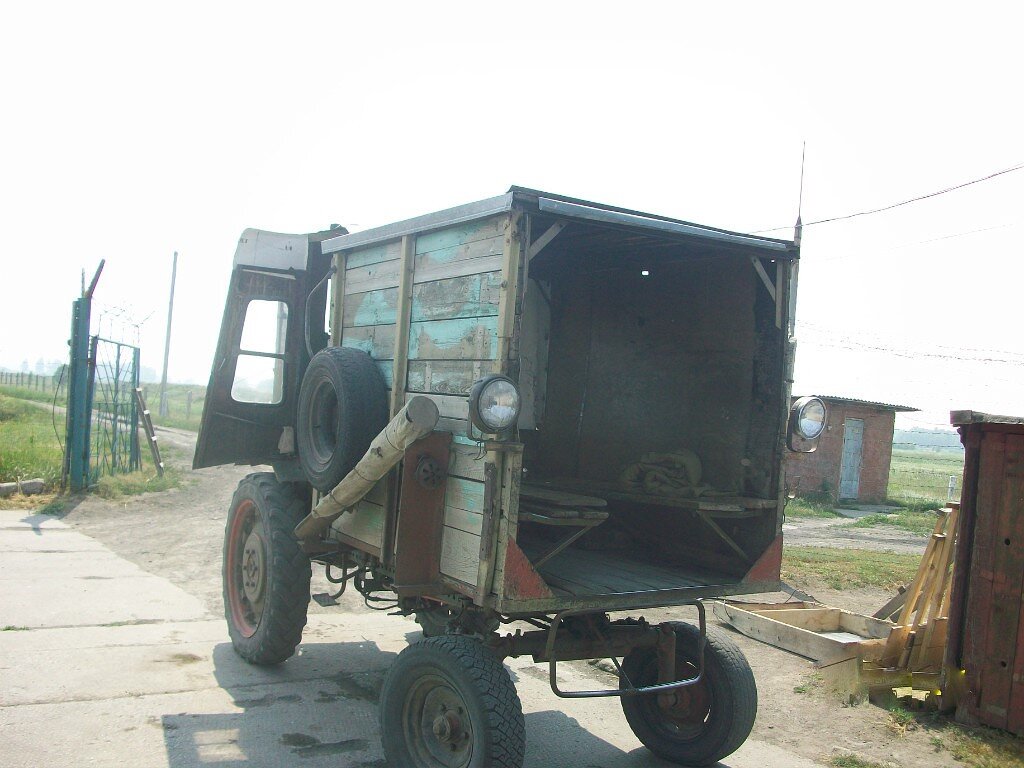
[(798, 232)]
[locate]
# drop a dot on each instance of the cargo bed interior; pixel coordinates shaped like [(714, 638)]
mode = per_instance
[(650, 368)]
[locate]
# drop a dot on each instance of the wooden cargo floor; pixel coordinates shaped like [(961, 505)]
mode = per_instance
[(580, 572)]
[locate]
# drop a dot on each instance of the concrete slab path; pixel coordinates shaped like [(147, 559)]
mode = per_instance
[(104, 664)]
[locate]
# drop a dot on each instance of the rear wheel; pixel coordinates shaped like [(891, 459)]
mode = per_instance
[(698, 724), (265, 574), (448, 702)]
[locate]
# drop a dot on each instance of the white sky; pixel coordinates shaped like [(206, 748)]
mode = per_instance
[(129, 132)]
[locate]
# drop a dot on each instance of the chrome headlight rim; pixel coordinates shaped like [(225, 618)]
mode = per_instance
[(476, 415), (799, 410)]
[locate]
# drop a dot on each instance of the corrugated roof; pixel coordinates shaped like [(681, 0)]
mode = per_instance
[(872, 403)]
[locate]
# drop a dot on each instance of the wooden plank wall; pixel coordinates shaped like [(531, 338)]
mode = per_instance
[(993, 639), (453, 341)]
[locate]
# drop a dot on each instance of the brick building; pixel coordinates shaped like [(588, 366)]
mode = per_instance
[(854, 453)]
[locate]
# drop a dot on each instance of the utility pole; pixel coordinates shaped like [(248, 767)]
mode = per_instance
[(167, 344)]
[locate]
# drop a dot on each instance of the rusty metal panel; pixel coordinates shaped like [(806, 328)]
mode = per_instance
[(421, 514)]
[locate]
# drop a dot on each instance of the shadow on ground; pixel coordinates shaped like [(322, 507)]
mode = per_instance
[(320, 709)]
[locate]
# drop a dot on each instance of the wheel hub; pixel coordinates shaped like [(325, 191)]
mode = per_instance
[(253, 570), (438, 727), (686, 706), (447, 728)]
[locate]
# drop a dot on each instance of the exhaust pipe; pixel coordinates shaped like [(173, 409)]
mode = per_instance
[(417, 419)]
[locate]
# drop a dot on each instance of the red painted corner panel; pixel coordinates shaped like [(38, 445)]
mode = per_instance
[(522, 582), (769, 565)]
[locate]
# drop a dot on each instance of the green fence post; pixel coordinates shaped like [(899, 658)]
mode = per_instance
[(76, 457)]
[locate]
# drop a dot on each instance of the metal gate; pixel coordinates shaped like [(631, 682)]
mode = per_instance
[(849, 471), (114, 428)]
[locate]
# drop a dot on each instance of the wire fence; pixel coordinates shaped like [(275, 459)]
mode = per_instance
[(916, 475), (32, 381)]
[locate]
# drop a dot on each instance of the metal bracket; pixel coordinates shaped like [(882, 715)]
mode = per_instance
[(549, 652)]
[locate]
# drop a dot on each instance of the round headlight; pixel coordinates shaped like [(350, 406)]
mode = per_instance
[(809, 417), (494, 404)]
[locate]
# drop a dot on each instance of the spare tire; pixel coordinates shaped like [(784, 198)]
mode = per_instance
[(342, 406)]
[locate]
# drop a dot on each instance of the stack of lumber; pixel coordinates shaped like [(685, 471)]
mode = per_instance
[(547, 505), (918, 641)]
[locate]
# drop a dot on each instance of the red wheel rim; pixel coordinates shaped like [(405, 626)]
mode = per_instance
[(245, 611)]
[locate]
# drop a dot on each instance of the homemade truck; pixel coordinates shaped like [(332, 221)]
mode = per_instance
[(527, 410)]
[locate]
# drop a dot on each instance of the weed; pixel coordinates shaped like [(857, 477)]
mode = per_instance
[(904, 519), (852, 761), (978, 747), (55, 506), (29, 447), (134, 483), (804, 508), (12, 628), (27, 393), (900, 721), (847, 568)]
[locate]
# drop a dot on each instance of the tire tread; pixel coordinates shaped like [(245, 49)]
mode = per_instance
[(285, 608)]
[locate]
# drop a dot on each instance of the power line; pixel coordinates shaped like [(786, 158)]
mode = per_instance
[(973, 354), (884, 208), (876, 254)]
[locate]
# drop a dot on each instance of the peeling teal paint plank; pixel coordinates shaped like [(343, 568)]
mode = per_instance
[(371, 308), (465, 494), (463, 233), (473, 338), (472, 296), (377, 340)]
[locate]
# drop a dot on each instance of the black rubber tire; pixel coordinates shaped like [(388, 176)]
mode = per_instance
[(265, 629), (480, 680), (342, 406), (729, 693)]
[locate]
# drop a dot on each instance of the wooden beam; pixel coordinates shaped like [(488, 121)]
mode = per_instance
[(512, 258), (541, 242), (337, 299), (403, 314), (759, 268)]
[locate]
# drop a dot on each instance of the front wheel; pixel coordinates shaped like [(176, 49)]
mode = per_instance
[(266, 574), (447, 701), (698, 724)]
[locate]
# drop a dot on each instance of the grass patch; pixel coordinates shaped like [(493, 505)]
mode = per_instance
[(134, 483), (28, 445), (27, 393), (922, 477), (839, 569), (922, 523), (852, 761), (179, 414), (977, 747), (802, 508)]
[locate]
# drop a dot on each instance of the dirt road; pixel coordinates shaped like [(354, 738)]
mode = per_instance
[(141, 670), (839, 533)]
